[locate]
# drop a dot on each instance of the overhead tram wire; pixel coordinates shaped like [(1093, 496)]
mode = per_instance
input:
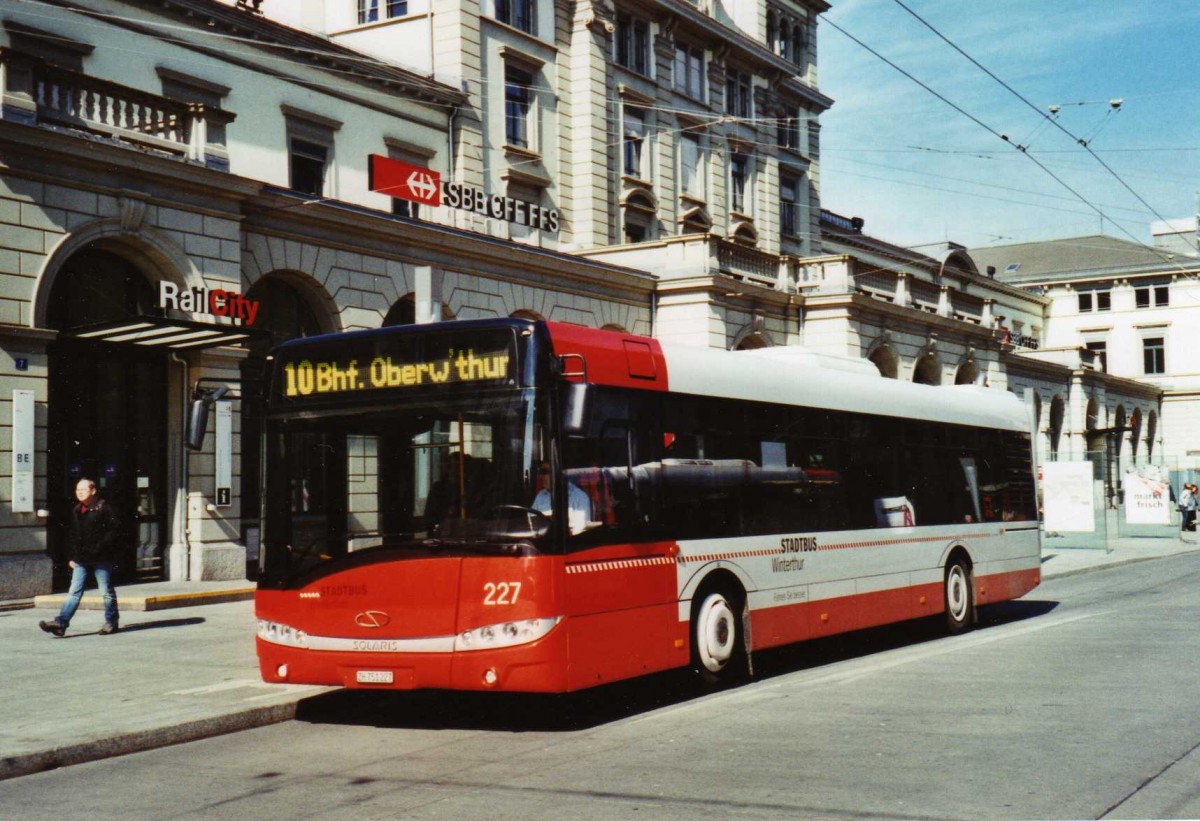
[(1082, 142), (1002, 137)]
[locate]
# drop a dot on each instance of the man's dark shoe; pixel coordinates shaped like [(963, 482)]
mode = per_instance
[(54, 626), (108, 629)]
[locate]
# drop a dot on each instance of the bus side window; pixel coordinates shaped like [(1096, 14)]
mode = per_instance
[(599, 464)]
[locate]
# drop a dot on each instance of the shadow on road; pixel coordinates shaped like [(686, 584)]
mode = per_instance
[(522, 712), (141, 625), (154, 625)]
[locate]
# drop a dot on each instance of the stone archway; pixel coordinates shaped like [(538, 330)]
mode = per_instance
[(884, 357), (752, 337), (154, 254), (294, 306), (1135, 432), (927, 370), (1054, 427), (404, 312), (110, 414)]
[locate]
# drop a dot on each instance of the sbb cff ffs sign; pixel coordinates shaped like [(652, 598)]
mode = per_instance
[(403, 181), (416, 184)]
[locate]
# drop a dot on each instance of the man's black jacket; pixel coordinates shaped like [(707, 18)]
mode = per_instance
[(92, 535)]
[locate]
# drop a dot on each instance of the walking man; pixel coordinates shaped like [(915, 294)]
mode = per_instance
[(92, 548)]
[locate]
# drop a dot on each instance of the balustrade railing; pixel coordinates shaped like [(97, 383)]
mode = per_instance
[(96, 105), (39, 93), (749, 264)]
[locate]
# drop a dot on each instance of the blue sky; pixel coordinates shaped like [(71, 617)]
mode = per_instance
[(918, 172)]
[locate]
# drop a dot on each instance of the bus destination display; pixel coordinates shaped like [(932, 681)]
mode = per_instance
[(394, 363)]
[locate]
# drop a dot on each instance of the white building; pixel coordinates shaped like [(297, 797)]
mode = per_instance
[(1129, 312)]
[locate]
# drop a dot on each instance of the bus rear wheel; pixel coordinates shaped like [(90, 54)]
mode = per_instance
[(718, 643), (960, 597)]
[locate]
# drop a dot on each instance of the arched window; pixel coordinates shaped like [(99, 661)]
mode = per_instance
[(798, 45), (745, 234), (928, 370), (885, 359), (772, 31), (1056, 426), (751, 342), (640, 211), (404, 312)]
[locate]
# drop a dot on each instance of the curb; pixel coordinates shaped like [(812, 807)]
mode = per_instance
[(189, 599), (1078, 571), (94, 601), (142, 740)]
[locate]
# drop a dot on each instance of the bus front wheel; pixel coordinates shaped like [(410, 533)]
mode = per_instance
[(960, 598), (718, 651)]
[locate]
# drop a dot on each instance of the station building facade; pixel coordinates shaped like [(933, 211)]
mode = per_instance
[(185, 183), (182, 186)]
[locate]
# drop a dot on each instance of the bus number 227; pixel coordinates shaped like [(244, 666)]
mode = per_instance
[(502, 593)]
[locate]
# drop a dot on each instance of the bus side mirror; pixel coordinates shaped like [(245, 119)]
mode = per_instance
[(197, 424), (576, 408), (197, 421)]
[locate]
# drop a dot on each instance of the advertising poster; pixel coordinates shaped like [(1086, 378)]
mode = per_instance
[(1147, 501), (1067, 491)]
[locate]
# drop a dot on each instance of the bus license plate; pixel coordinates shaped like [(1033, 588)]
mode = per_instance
[(375, 677)]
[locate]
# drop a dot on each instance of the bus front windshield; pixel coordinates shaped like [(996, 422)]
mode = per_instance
[(457, 474)]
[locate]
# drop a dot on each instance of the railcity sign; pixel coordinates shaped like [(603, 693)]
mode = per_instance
[(212, 302)]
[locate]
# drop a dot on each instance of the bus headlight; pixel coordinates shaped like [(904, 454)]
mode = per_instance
[(505, 634), (277, 633)]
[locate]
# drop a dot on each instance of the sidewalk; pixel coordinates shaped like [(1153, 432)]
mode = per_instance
[(183, 666)]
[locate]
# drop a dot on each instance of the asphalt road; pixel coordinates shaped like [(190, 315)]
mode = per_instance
[(1081, 701)]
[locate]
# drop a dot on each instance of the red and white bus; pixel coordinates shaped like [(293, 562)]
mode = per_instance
[(536, 506)]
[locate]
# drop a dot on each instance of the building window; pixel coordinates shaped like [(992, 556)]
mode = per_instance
[(689, 70), (532, 196), (517, 13), (1154, 355), (1100, 354), (798, 45), (518, 106), (307, 162), (368, 10), (739, 177), (310, 151), (789, 206), (738, 94), (1151, 296), (633, 43), (405, 208), (1095, 301), (691, 168), (634, 141), (788, 135), (640, 218)]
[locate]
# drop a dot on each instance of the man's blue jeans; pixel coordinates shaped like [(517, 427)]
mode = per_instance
[(103, 573)]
